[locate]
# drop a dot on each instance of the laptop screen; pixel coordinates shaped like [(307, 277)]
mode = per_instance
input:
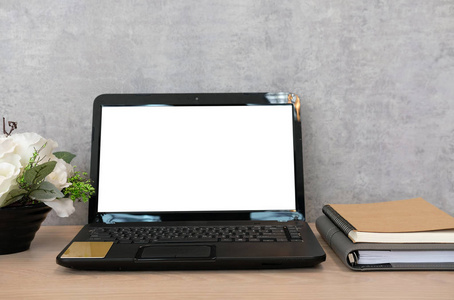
[(160, 158)]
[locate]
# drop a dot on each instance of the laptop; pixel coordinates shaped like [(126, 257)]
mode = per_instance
[(195, 181)]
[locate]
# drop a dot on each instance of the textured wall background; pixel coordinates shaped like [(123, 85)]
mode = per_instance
[(375, 77)]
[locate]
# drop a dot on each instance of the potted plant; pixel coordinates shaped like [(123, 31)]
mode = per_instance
[(34, 180)]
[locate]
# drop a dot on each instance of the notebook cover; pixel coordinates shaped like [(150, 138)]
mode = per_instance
[(343, 246), (395, 216)]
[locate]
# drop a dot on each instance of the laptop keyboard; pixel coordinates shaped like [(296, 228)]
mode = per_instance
[(196, 234)]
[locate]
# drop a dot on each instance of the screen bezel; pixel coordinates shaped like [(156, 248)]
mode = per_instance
[(223, 99)]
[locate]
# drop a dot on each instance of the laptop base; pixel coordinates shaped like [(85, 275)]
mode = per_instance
[(197, 256)]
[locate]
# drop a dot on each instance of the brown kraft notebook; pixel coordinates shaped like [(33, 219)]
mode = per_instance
[(401, 221)]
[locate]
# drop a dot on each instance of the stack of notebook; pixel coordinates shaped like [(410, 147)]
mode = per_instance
[(396, 235)]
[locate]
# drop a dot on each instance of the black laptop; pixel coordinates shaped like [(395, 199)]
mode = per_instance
[(195, 181)]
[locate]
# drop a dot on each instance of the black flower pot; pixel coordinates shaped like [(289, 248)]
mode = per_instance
[(18, 226)]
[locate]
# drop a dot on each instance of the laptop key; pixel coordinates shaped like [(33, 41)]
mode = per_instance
[(268, 240), (108, 239), (198, 240), (140, 241), (226, 240)]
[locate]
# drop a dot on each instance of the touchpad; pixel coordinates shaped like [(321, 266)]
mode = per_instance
[(176, 251)]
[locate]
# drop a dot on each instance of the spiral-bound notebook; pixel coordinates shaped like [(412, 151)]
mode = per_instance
[(400, 221), (195, 181), (385, 256)]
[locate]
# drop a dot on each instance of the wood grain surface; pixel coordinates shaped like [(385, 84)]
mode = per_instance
[(35, 274)]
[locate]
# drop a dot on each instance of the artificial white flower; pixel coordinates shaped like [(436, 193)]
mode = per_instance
[(61, 173), (6, 145), (63, 206), (10, 167), (9, 170), (26, 143), (15, 153)]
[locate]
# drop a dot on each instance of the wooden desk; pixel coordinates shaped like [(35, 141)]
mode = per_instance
[(34, 274)]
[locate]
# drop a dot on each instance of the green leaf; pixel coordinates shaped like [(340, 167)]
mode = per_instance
[(13, 196), (66, 156), (46, 191), (36, 174)]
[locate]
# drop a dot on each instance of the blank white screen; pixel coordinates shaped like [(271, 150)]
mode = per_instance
[(196, 158)]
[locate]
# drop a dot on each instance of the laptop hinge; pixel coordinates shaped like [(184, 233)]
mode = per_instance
[(98, 219)]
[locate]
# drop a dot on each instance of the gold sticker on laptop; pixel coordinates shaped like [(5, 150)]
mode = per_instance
[(87, 250)]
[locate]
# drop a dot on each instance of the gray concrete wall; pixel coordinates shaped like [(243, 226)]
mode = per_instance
[(375, 78)]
